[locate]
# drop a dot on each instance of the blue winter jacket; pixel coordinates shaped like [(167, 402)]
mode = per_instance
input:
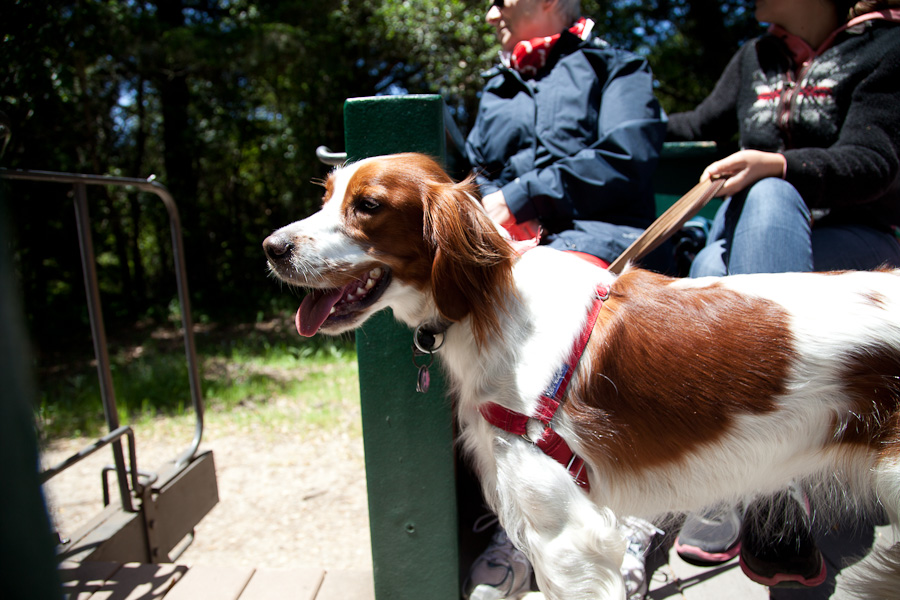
[(579, 142)]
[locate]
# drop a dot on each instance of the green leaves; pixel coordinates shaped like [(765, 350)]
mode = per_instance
[(226, 102)]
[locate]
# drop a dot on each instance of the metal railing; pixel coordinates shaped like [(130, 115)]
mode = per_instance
[(98, 331)]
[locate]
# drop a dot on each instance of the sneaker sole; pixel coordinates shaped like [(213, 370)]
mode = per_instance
[(701, 558), (786, 580)]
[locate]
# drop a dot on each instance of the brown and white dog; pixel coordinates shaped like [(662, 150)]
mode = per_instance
[(689, 392)]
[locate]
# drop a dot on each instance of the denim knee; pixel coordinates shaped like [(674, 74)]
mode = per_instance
[(773, 200), (771, 234), (765, 228), (710, 261)]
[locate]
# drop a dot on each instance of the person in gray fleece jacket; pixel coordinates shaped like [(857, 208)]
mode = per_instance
[(815, 103)]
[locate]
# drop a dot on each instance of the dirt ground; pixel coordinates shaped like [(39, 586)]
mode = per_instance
[(286, 498)]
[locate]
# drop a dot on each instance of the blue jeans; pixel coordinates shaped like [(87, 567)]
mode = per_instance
[(767, 229)]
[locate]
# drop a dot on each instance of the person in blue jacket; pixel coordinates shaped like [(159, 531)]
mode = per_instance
[(567, 137), (568, 131)]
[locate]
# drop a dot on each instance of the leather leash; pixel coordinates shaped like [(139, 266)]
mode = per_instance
[(669, 222)]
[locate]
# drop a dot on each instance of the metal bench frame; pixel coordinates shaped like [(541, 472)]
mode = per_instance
[(173, 499)]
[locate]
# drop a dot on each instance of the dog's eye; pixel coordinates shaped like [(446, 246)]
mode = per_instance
[(368, 205)]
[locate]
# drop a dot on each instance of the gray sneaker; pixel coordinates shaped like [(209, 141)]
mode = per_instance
[(502, 571), (710, 538)]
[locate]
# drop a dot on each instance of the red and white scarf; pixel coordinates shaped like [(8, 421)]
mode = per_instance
[(528, 57)]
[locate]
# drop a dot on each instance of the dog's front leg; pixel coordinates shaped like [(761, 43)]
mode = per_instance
[(575, 546)]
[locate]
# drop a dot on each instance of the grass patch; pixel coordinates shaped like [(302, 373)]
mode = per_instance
[(262, 375)]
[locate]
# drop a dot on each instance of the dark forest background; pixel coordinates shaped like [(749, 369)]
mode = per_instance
[(225, 101)]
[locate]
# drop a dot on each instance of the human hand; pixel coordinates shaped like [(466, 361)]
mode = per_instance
[(744, 168), (496, 208)]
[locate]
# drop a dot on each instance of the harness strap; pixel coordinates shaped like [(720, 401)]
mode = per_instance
[(550, 442)]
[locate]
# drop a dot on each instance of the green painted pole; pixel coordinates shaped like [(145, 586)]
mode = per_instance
[(408, 436)]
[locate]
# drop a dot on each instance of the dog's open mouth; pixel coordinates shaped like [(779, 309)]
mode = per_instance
[(337, 304)]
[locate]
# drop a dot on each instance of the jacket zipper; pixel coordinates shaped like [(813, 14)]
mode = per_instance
[(787, 99), (789, 94)]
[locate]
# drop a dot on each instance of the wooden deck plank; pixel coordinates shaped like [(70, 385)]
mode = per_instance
[(204, 582), (347, 585), (81, 579), (140, 581), (287, 584)]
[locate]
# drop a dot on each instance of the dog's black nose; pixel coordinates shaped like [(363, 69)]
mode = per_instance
[(277, 248)]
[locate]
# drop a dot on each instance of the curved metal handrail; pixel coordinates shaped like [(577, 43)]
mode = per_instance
[(327, 156), (80, 181)]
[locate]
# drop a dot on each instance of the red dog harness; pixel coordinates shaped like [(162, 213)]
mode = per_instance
[(550, 442)]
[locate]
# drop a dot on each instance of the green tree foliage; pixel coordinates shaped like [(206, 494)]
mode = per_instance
[(226, 101), (426, 46)]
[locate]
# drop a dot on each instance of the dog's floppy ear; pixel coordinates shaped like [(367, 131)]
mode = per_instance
[(472, 270)]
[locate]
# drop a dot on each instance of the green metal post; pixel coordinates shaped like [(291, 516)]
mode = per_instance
[(408, 436)]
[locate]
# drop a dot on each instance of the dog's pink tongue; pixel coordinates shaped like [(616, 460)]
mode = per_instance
[(314, 309)]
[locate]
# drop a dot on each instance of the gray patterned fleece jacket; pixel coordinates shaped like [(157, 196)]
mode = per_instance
[(833, 112)]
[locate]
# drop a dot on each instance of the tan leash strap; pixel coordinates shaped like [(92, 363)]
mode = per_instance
[(669, 222)]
